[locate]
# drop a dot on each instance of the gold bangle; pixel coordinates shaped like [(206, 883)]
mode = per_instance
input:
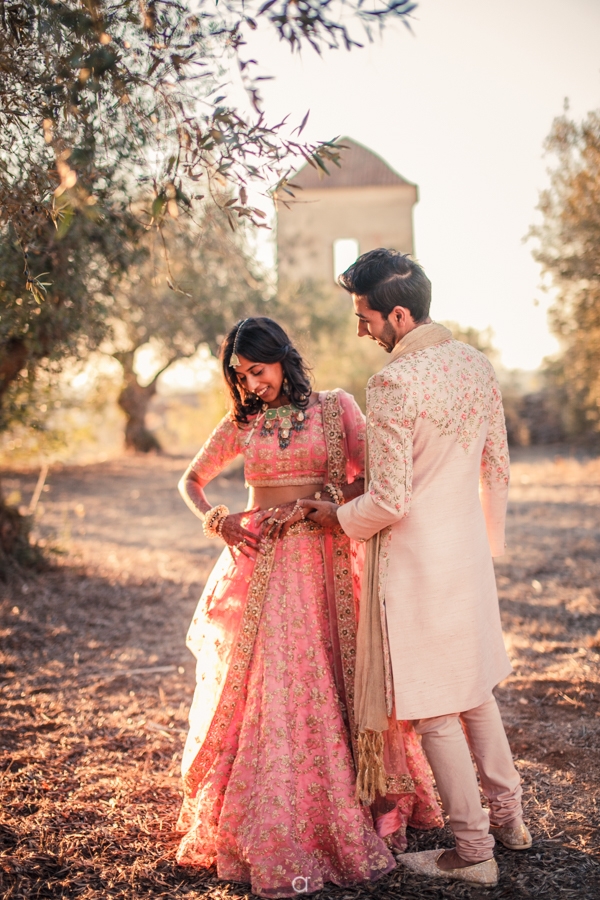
[(213, 521), (219, 525)]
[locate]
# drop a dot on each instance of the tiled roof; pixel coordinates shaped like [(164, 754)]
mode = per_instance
[(360, 167)]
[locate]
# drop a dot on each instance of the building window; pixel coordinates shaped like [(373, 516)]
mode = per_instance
[(345, 252)]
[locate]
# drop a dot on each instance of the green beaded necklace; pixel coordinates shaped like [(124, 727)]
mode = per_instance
[(285, 420)]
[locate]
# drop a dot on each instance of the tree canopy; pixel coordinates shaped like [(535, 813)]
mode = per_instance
[(177, 302), (97, 96), (79, 270), (114, 116), (568, 248)]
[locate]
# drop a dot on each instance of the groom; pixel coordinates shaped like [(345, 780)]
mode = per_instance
[(433, 516)]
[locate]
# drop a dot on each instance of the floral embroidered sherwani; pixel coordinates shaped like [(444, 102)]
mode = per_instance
[(437, 491)]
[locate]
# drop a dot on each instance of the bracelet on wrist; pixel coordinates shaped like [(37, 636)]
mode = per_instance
[(213, 521), (296, 508), (336, 494), (220, 523)]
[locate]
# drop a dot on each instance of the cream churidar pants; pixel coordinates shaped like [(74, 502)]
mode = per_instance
[(447, 750)]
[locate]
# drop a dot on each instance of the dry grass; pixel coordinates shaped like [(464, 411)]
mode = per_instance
[(96, 681)]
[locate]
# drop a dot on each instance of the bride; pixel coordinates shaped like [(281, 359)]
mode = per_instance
[(268, 767)]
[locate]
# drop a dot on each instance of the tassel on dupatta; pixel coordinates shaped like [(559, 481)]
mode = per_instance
[(370, 700), (370, 697), (371, 777)]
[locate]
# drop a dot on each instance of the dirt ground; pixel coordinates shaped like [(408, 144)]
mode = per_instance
[(95, 682)]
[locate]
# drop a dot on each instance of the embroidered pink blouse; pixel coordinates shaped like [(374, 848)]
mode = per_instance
[(304, 461)]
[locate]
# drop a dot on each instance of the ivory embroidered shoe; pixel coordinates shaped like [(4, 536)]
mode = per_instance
[(515, 837), (426, 863)]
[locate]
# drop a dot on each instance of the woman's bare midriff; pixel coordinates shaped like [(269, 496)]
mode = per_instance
[(269, 497)]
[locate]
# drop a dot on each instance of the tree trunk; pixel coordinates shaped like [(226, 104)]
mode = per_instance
[(14, 528), (13, 359), (15, 547), (134, 400)]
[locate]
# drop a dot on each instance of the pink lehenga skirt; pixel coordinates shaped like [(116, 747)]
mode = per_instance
[(277, 806)]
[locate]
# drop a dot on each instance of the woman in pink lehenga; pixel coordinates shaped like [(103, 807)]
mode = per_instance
[(268, 766)]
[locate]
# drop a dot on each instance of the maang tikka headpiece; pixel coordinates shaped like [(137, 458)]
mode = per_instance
[(234, 359)]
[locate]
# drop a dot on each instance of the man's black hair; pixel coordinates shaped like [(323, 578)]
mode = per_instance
[(388, 279)]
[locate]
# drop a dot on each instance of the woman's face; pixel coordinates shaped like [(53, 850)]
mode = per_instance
[(263, 379)]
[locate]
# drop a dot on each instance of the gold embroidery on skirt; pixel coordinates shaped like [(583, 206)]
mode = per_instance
[(236, 675), (302, 526), (346, 617), (399, 784), (341, 563)]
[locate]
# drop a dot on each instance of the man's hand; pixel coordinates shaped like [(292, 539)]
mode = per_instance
[(322, 512), (271, 520)]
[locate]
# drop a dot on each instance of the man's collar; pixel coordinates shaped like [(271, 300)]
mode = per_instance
[(420, 338)]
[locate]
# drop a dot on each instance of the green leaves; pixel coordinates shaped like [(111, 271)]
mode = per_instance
[(117, 118), (122, 82)]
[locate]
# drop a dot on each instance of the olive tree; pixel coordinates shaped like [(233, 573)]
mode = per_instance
[(116, 116), (568, 249), (176, 302)]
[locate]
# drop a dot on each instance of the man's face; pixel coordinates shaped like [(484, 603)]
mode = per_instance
[(371, 323)]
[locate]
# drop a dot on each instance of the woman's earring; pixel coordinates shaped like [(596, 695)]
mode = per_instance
[(286, 386)]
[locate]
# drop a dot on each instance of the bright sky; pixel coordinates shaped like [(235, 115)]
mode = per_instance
[(462, 107)]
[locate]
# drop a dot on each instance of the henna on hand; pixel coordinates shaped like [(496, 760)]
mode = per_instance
[(235, 535), (277, 521)]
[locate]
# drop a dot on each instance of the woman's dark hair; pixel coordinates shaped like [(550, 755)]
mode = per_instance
[(262, 340), (389, 279)]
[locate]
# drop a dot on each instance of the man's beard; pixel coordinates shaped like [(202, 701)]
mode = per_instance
[(388, 338)]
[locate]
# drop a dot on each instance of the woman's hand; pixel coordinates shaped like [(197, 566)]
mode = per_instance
[(322, 512), (271, 520), (235, 535)]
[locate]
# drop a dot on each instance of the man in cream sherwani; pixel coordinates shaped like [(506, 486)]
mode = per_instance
[(437, 492)]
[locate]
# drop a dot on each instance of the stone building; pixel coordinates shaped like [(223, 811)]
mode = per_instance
[(358, 207)]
